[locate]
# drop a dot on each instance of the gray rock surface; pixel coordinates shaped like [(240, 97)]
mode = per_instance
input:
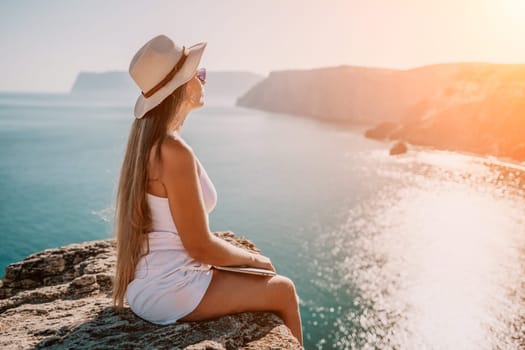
[(60, 298)]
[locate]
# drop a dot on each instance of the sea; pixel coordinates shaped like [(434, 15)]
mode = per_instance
[(423, 250)]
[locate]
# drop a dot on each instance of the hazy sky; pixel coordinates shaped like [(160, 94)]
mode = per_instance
[(44, 44)]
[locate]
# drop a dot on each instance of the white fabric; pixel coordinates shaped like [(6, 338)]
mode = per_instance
[(168, 283)]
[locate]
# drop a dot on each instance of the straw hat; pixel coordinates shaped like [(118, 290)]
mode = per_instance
[(153, 70)]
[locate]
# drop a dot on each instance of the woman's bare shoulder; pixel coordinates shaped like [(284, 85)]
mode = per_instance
[(176, 153), (179, 169)]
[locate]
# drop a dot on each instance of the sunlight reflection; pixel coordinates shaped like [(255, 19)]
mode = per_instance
[(433, 259), (455, 242)]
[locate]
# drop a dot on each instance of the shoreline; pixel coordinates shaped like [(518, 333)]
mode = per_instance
[(506, 162), (362, 128)]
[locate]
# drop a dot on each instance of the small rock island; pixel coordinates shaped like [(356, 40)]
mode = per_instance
[(398, 148)]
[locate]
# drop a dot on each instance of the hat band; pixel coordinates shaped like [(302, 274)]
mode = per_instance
[(170, 75)]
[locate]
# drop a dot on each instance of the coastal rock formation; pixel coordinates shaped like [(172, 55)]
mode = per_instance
[(347, 94), (481, 110), (471, 107), (61, 298), (398, 148), (382, 131), (111, 82)]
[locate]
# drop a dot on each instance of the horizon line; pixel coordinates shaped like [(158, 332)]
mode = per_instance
[(270, 72)]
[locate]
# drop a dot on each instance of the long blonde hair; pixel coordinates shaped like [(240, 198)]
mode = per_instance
[(132, 214)]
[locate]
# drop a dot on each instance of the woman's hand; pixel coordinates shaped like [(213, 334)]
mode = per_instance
[(262, 262)]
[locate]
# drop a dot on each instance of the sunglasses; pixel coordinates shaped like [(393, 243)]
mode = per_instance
[(201, 74)]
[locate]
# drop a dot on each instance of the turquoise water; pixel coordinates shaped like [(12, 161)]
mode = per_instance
[(425, 250)]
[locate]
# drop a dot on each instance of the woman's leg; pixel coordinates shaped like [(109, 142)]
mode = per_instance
[(231, 292)]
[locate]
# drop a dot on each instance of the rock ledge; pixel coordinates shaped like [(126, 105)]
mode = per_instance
[(61, 298)]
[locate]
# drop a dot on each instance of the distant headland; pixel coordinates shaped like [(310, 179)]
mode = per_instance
[(219, 84), (472, 107)]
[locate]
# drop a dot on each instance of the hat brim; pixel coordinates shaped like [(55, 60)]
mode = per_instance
[(143, 104)]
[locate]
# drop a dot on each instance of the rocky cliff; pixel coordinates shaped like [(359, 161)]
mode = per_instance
[(61, 298), (473, 107), (346, 94), (481, 109)]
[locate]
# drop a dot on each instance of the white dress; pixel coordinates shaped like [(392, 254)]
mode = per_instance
[(168, 283)]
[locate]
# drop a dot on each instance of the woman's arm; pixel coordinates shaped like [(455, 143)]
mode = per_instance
[(217, 251), (179, 176)]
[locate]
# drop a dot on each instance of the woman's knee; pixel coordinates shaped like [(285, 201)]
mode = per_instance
[(286, 290)]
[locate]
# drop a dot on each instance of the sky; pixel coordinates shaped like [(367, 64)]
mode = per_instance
[(44, 44)]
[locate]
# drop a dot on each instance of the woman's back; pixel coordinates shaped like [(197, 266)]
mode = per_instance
[(168, 282), (155, 187)]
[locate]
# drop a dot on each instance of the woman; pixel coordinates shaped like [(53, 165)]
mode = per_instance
[(164, 246)]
